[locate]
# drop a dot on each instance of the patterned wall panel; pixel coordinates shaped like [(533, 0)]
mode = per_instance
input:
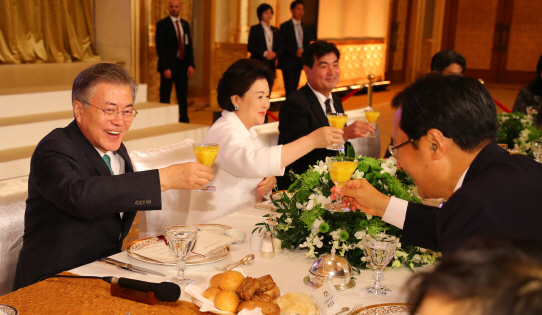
[(525, 44), (398, 55), (358, 60)]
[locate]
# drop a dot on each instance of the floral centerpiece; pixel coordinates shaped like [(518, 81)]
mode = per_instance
[(304, 223), (518, 129)]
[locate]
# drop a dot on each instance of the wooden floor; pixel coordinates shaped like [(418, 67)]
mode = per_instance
[(506, 94)]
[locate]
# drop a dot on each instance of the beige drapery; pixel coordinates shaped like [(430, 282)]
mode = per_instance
[(36, 31)]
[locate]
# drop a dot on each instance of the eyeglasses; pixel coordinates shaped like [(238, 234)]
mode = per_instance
[(393, 149), (111, 114)]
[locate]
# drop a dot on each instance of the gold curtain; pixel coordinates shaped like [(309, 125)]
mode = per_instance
[(37, 31)]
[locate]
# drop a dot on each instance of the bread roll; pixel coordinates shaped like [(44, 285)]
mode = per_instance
[(231, 280), (268, 307), (210, 293), (227, 301), (261, 297), (247, 289), (297, 303), (215, 279)]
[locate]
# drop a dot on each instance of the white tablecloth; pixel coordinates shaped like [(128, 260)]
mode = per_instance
[(287, 269), (363, 146)]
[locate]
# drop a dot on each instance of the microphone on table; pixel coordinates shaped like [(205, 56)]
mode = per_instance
[(165, 291)]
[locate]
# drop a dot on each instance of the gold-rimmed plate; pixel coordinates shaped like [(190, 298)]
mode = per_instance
[(386, 308), (216, 255), (8, 310)]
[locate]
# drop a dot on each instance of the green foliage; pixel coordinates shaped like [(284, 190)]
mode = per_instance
[(518, 129)]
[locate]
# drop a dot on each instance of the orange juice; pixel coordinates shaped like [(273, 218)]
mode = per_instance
[(372, 115), (337, 120), (341, 171), (206, 154)]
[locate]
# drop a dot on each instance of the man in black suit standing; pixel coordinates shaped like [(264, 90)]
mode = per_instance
[(83, 193), (305, 110), (443, 136), (263, 39), (293, 40), (175, 57)]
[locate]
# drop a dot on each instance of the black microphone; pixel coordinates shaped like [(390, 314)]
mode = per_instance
[(165, 291)]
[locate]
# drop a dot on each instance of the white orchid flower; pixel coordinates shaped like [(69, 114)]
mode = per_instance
[(321, 167), (360, 235), (358, 175)]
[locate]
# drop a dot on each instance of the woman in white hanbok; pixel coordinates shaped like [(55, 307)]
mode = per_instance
[(245, 167)]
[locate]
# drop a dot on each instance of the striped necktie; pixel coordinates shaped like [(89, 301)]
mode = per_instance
[(328, 106), (180, 40), (107, 160)]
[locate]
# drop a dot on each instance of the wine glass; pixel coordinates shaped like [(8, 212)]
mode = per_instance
[(371, 116), (206, 154), (181, 240), (379, 249), (337, 120), (536, 146), (341, 169)]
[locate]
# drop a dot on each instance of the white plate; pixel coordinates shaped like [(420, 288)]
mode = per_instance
[(387, 308), (216, 255)]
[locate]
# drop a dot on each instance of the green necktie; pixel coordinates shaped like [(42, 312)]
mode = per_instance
[(107, 160)]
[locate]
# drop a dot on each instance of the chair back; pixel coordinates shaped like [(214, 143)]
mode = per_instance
[(13, 194), (175, 203)]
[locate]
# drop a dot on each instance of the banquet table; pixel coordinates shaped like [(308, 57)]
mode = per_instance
[(287, 269)]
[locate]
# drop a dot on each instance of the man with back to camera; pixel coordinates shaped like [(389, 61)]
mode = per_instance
[(448, 62), (443, 136), (305, 110), (175, 57), (83, 193), (293, 40)]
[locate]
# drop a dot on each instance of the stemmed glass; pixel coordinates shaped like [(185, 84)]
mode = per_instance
[(341, 169), (206, 154), (337, 120), (371, 116), (536, 146), (181, 240), (380, 249)]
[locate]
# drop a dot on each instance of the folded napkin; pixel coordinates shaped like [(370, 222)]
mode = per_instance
[(207, 243)]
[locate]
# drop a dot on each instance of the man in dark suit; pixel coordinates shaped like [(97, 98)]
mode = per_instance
[(263, 39), (305, 110), (443, 133), (83, 193), (293, 40), (175, 57)]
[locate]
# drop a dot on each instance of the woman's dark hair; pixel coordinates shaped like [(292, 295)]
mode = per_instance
[(295, 3), (238, 79), (444, 58), (487, 276), (317, 50), (536, 85), (262, 8), (460, 107)]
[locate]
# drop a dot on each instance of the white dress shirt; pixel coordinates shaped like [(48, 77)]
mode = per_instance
[(298, 30), (268, 37), (322, 99), (243, 161), (396, 211)]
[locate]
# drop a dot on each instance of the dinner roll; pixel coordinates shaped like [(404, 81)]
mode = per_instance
[(231, 280), (210, 293), (296, 303), (227, 301), (215, 279), (273, 293)]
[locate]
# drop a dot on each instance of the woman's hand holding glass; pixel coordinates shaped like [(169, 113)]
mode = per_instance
[(324, 137), (266, 185)]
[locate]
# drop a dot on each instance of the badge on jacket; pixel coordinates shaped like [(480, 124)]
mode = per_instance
[(185, 39)]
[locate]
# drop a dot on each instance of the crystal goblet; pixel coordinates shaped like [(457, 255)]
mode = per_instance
[(371, 116), (206, 154), (379, 249), (181, 241), (337, 120), (341, 169)]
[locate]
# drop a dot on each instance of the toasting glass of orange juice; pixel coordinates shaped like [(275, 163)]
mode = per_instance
[(341, 169), (372, 116), (206, 154), (337, 120)]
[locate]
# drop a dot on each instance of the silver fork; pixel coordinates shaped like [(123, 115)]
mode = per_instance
[(356, 307)]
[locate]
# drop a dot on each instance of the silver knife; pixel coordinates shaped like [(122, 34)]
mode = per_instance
[(130, 267)]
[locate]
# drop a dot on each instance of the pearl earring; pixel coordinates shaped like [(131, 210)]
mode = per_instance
[(236, 107)]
